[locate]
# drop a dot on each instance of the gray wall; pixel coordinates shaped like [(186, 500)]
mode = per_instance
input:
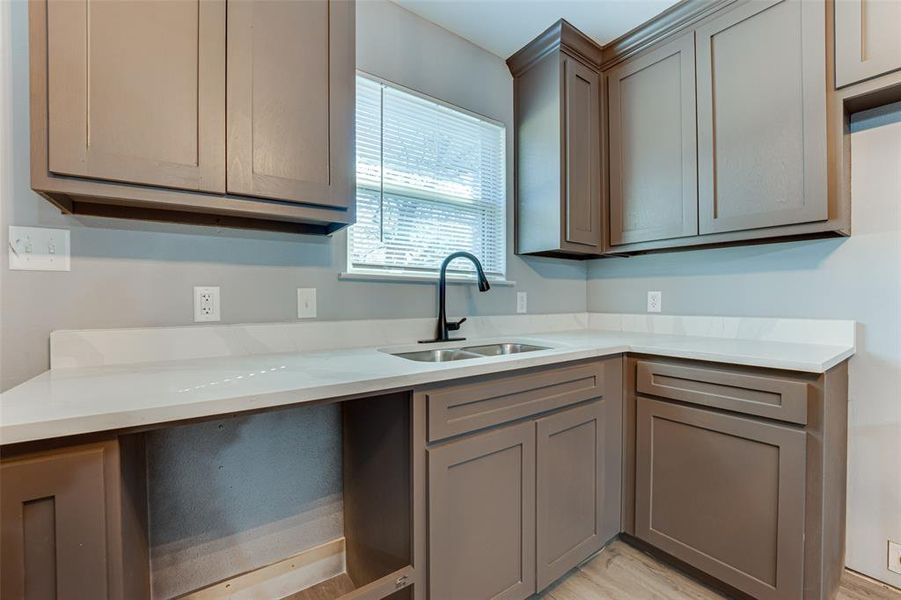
[(133, 274), (856, 278)]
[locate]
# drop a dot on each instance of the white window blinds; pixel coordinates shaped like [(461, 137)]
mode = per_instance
[(430, 181)]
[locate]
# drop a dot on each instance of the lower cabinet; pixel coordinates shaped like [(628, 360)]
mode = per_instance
[(724, 493), (68, 517), (512, 509)]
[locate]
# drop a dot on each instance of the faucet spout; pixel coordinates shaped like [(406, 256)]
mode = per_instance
[(441, 332)]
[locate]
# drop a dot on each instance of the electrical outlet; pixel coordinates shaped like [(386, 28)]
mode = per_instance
[(655, 302), (522, 302), (894, 557), (38, 249), (306, 303), (206, 304)]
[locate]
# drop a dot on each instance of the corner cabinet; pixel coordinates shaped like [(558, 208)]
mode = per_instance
[(739, 472), (557, 106), (182, 111)]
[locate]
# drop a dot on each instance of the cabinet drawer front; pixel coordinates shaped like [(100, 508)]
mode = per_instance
[(471, 406), (723, 493), (763, 396)]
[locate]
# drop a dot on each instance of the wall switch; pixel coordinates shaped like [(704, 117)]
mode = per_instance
[(894, 557), (522, 300), (38, 249), (655, 301), (206, 304), (306, 303)]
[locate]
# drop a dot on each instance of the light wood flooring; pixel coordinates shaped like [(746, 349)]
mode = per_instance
[(621, 572)]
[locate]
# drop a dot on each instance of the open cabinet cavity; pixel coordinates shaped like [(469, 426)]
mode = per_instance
[(304, 503)]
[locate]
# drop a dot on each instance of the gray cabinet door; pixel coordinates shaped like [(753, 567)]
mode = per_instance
[(571, 489), (867, 39), (723, 493), (582, 149), (291, 100), (762, 116), (482, 516), (136, 91), (653, 145), (54, 514)]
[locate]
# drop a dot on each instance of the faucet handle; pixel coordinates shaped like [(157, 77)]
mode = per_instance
[(455, 325)]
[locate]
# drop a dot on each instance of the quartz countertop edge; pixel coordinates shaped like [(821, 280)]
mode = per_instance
[(73, 401)]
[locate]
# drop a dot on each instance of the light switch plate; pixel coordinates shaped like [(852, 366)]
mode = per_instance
[(306, 303), (655, 302), (522, 302), (206, 304), (38, 249)]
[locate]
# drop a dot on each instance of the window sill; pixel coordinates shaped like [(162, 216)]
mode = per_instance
[(415, 278)]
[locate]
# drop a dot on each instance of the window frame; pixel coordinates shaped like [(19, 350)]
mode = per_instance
[(422, 274)]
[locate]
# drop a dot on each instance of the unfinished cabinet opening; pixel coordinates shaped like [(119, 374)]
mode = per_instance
[(302, 503)]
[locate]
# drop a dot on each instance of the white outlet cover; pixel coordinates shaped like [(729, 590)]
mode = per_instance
[(894, 557), (38, 249), (655, 302), (306, 303), (206, 304), (522, 302)]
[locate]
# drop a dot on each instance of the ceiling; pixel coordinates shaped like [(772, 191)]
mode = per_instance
[(504, 26)]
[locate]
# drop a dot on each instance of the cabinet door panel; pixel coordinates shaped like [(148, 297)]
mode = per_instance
[(867, 39), (583, 161), (571, 489), (723, 493), (653, 145), (54, 542), (482, 516), (291, 100), (136, 91), (761, 116)]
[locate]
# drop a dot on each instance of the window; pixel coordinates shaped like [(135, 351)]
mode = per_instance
[(430, 181)]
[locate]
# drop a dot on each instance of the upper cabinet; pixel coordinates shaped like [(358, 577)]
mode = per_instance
[(281, 56), (867, 39), (653, 145), (762, 116), (136, 92), (557, 106), (201, 111), (718, 125)]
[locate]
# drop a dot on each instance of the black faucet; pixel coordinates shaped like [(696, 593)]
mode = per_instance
[(443, 325)]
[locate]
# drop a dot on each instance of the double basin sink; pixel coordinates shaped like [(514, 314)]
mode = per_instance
[(468, 352)]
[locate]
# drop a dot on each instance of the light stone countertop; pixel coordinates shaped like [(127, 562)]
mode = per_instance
[(76, 400)]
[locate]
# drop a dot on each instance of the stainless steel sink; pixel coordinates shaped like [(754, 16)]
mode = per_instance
[(481, 351), (502, 349), (445, 355)]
